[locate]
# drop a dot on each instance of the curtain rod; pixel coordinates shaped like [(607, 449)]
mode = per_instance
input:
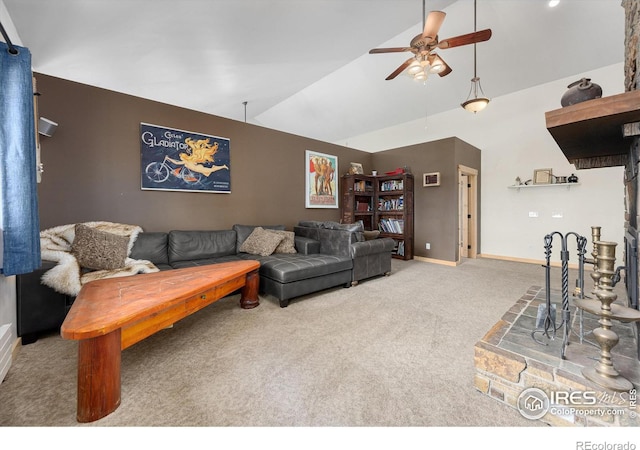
[(12, 49)]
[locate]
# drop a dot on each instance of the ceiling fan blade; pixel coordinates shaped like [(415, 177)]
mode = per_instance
[(436, 61), (389, 50), (465, 39), (399, 70), (432, 24)]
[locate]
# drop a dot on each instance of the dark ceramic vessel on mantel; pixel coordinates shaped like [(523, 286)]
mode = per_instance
[(580, 91)]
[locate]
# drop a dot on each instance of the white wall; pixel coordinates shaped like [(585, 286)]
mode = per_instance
[(514, 141)]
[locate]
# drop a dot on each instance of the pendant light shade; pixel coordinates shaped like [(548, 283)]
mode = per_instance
[(476, 100)]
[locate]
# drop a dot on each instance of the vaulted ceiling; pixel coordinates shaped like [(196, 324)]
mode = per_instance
[(302, 66)]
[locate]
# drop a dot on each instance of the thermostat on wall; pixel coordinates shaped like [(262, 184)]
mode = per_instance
[(431, 179)]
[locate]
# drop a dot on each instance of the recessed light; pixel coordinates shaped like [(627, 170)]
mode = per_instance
[(553, 3)]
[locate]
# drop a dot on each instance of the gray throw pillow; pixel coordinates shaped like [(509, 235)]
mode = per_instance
[(99, 250)]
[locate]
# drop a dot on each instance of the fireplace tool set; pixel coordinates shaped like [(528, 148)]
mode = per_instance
[(546, 321), (605, 276)]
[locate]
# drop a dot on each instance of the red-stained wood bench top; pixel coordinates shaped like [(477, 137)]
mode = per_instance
[(110, 315), (103, 306)]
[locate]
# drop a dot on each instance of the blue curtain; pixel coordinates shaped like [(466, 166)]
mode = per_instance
[(18, 180)]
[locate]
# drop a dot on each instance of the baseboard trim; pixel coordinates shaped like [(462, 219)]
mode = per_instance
[(17, 345), (436, 261), (6, 350), (527, 260)]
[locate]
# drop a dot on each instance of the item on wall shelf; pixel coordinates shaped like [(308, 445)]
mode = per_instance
[(356, 169), (580, 91), (573, 178), (321, 188), (374, 173), (560, 180), (178, 160), (431, 179), (398, 171), (518, 181), (542, 176)]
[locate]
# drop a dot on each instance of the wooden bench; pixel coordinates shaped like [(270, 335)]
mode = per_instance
[(112, 314)]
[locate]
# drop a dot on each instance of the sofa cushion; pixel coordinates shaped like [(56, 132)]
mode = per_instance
[(287, 245), (194, 245), (151, 246), (311, 224), (205, 262), (355, 228), (261, 242), (287, 268), (99, 250), (243, 232)]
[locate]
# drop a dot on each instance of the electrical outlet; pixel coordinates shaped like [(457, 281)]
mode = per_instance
[(427, 246), (533, 213)]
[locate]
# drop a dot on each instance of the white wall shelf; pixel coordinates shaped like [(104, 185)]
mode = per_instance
[(526, 186)]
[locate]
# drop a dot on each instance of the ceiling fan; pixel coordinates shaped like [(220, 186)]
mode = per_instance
[(423, 46)]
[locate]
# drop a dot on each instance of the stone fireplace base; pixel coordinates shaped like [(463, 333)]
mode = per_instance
[(508, 361)]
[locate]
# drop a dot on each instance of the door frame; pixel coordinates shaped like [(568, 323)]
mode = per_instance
[(472, 175)]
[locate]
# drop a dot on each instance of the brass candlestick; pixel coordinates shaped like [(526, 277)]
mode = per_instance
[(604, 373), (595, 275)]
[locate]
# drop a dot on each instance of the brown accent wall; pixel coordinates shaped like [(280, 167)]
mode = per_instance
[(92, 170), (436, 207), (92, 165)]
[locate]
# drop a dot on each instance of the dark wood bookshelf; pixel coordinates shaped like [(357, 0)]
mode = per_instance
[(388, 207)]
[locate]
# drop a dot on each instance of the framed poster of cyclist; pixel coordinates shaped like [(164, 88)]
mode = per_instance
[(179, 160)]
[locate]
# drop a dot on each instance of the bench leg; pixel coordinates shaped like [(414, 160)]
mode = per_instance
[(249, 293), (98, 376)]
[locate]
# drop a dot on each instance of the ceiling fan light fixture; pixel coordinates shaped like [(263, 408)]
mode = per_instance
[(414, 68), (437, 66), (421, 76)]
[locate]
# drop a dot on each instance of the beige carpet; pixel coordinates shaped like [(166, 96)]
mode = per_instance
[(393, 351)]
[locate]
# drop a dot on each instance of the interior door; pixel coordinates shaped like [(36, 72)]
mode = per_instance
[(464, 215)]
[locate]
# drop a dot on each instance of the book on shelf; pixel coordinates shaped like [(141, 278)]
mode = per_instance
[(395, 226), (392, 185), (362, 186), (362, 206), (390, 204), (398, 249)]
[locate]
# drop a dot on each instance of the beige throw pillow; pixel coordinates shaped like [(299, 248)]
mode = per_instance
[(261, 242), (371, 234), (288, 243), (99, 250)]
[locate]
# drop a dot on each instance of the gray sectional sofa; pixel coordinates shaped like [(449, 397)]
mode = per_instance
[(327, 254)]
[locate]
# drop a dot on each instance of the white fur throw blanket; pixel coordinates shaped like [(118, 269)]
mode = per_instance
[(67, 277)]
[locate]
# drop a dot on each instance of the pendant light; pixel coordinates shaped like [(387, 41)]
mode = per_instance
[(476, 100)]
